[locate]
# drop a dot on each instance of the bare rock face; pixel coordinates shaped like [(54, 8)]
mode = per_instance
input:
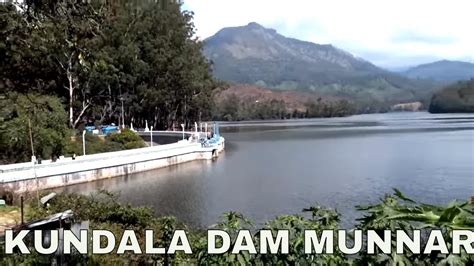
[(408, 107)]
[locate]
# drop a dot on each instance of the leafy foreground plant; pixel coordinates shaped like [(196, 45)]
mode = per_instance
[(392, 213), (399, 212)]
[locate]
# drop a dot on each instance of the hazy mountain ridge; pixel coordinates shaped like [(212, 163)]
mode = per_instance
[(443, 70), (256, 55)]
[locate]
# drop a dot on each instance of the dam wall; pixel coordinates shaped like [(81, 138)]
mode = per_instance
[(25, 177)]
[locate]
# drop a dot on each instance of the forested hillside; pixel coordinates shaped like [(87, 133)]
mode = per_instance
[(456, 98), (246, 102)]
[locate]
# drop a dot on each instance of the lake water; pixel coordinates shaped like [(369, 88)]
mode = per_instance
[(273, 168)]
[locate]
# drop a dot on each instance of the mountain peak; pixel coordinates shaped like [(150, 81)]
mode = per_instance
[(255, 42), (254, 25)]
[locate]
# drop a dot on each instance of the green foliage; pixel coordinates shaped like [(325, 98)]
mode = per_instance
[(330, 109), (134, 145), (127, 139), (394, 212), (102, 207), (94, 144), (320, 219), (104, 211), (97, 55), (233, 108), (124, 140), (124, 136), (397, 212), (49, 131), (43, 116)]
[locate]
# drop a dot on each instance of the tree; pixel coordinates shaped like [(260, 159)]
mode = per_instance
[(25, 65), (75, 26), (96, 55), (32, 124), (49, 48)]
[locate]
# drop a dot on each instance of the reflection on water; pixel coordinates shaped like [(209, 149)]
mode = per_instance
[(279, 167)]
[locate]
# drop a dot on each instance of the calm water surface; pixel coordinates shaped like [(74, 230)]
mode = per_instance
[(280, 167)]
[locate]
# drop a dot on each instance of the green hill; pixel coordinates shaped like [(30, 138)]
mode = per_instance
[(457, 98)]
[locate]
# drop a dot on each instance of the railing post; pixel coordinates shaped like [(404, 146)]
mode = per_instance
[(151, 136), (83, 142)]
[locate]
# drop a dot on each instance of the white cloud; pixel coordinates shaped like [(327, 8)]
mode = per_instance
[(388, 33)]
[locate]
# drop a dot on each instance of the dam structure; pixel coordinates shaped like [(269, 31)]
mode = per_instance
[(26, 177)]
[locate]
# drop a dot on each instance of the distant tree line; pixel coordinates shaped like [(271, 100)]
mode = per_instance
[(233, 108)]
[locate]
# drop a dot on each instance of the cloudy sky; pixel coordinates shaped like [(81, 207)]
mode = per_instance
[(391, 34)]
